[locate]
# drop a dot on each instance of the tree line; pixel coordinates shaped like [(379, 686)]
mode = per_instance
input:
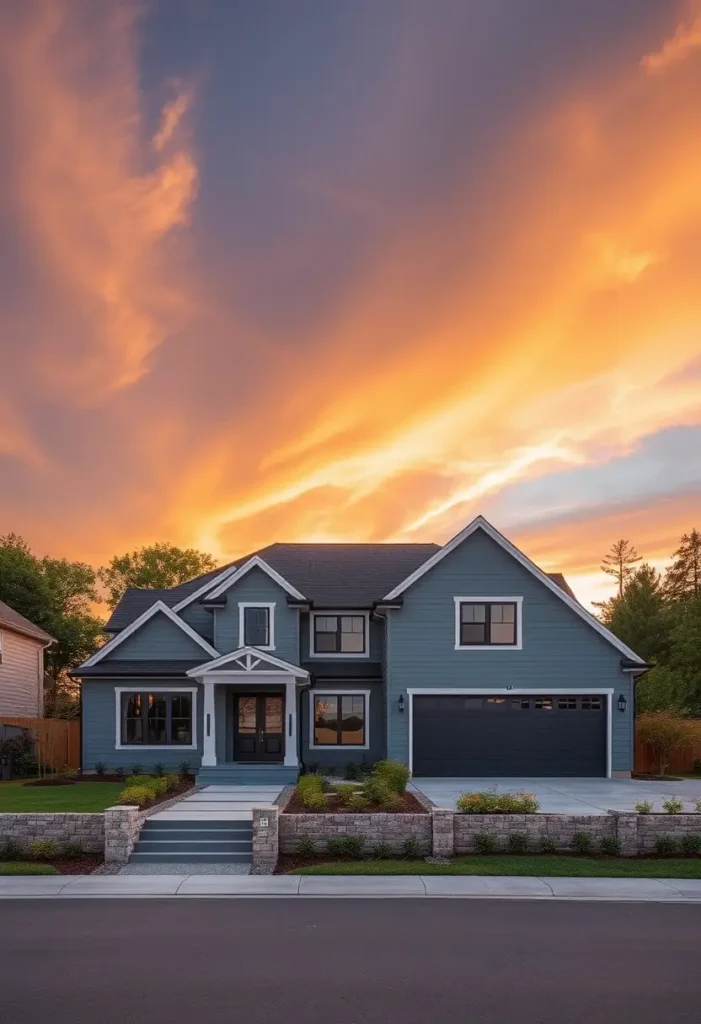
[(658, 615)]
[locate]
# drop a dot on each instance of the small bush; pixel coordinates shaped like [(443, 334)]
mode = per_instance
[(485, 843), (382, 851), (141, 796), (314, 801), (395, 774), (491, 802), (72, 849), (581, 843), (305, 848), (159, 769), (673, 805), (136, 769), (666, 734), (517, 842), (548, 844), (42, 849), (345, 846), (139, 780), (666, 846), (311, 792), (357, 803), (172, 781), (411, 848), (377, 790), (691, 844), (10, 849), (392, 804), (697, 804), (611, 846), (643, 806), (121, 774), (100, 768), (350, 772), (185, 767), (344, 793)]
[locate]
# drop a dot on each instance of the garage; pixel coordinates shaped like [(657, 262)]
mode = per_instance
[(557, 735)]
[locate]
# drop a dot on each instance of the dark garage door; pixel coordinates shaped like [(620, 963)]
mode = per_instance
[(537, 735)]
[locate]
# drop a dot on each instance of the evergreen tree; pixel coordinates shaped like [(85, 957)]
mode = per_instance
[(683, 578), (640, 617), (619, 563)]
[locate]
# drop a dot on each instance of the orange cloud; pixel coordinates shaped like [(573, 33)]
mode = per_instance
[(685, 40)]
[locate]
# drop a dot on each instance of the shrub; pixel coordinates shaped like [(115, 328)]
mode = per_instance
[(392, 804), (665, 734), (345, 846), (311, 792), (382, 851), (305, 848), (142, 796), (72, 849), (344, 793), (491, 802), (691, 844), (666, 846), (121, 774), (172, 781), (697, 804), (581, 842), (42, 849), (159, 785), (611, 846), (10, 849), (350, 772), (139, 780), (517, 842), (673, 805), (485, 843), (100, 768), (548, 844), (411, 848), (185, 767), (136, 769), (357, 803), (643, 806), (395, 774), (159, 769)]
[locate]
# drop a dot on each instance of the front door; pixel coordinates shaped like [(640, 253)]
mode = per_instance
[(258, 727)]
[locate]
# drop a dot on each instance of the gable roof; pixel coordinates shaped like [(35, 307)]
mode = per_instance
[(480, 523), (255, 562), (249, 655), (155, 608), (12, 620)]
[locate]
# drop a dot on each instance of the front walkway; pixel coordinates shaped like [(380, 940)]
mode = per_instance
[(220, 803), (568, 796), (638, 890)]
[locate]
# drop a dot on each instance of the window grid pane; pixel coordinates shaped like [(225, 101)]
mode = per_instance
[(256, 627), (326, 721), (156, 719), (487, 624), (339, 720), (339, 634)]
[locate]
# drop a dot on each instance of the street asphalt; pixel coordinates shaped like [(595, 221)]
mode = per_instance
[(350, 961)]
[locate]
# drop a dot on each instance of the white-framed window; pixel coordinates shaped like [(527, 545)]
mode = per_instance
[(488, 623), (339, 719), (257, 625), (339, 635), (155, 717)]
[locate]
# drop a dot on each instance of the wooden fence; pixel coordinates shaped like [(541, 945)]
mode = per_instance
[(679, 761), (57, 741)]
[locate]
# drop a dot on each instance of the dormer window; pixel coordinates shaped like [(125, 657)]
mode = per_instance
[(257, 626), (492, 623), (339, 635)]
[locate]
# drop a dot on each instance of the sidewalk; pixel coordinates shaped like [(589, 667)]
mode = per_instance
[(648, 890)]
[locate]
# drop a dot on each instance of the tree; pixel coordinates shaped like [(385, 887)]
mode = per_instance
[(640, 617), (683, 578), (619, 563), (665, 735), (156, 566)]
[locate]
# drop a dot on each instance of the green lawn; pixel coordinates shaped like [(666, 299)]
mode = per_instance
[(535, 865), (20, 867), (83, 796)]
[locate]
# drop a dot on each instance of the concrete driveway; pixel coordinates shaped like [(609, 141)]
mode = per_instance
[(568, 796)]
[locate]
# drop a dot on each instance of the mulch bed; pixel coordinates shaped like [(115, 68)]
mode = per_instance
[(410, 805), (53, 781), (655, 778)]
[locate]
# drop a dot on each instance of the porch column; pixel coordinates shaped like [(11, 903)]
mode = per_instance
[(209, 751), (291, 760)]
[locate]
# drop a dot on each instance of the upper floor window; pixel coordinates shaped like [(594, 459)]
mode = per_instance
[(488, 623), (339, 635), (257, 626)]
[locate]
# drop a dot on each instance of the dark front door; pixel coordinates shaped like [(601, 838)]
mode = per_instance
[(258, 727)]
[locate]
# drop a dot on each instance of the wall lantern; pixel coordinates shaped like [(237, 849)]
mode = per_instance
[(622, 702), (400, 702)]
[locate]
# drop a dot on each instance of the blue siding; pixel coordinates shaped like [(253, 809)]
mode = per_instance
[(559, 648), (257, 586), (158, 638), (99, 728), (337, 758), (201, 619)]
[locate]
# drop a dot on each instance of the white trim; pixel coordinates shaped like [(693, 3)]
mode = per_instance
[(270, 605), (480, 523), (158, 606), (518, 601), (339, 654), (328, 691), (256, 562), (223, 575), (166, 747), (502, 691), (247, 655)]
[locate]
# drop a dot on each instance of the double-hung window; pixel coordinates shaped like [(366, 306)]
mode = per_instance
[(257, 626), (487, 623), (339, 719), (338, 635), (156, 718)]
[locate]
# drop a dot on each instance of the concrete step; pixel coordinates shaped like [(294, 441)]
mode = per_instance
[(247, 775), (192, 858), (188, 846), (239, 828)]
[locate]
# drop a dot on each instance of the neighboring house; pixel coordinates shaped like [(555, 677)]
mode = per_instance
[(22, 646), (461, 660)]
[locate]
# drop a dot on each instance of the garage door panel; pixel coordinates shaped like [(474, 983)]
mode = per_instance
[(539, 735)]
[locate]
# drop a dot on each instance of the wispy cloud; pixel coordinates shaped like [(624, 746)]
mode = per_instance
[(686, 39)]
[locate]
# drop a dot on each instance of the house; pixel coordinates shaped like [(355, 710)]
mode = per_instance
[(461, 660), (22, 646)]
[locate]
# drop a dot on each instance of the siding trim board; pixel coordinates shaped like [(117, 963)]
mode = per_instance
[(167, 747), (155, 608), (245, 660), (513, 692), (480, 523)]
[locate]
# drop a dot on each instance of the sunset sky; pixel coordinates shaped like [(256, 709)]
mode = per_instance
[(351, 270)]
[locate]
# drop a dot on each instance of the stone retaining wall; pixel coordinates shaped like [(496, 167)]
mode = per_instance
[(87, 830), (557, 827), (392, 830), (123, 824), (652, 827)]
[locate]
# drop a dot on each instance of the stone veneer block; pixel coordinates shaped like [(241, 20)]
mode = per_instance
[(391, 830), (70, 827), (265, 840)]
